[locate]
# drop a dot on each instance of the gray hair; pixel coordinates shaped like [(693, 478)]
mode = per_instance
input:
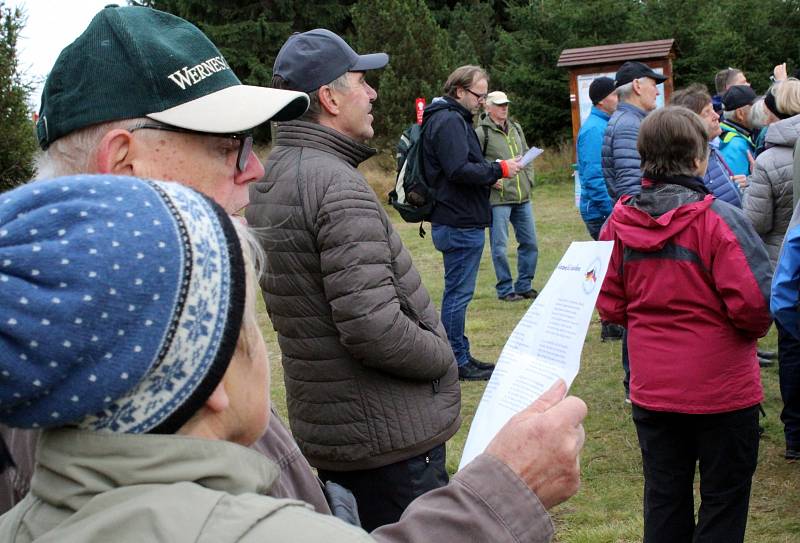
[(759, 114), (729, 115), (72, 154), (314, 110), (624, 91)]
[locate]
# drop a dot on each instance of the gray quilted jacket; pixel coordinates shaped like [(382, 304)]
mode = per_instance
[(768, 198), (619, 155), (370, 376)]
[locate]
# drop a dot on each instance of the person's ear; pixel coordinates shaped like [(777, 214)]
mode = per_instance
[(637, 86), (219, 399), (328, 100), (113, 154)]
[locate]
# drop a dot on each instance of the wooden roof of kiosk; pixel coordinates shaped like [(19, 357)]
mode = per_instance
[(606, 59)]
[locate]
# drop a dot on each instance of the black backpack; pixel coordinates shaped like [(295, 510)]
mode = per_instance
[(412, 196)]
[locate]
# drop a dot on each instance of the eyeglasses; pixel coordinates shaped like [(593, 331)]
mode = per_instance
[(476, 95), (245, 139)]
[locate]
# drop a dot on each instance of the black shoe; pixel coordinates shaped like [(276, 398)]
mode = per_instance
[(765, 362), (513, 297), (792, 454), (769, 355), (611, 332), (471, 372), (530, 295), (481, 365)]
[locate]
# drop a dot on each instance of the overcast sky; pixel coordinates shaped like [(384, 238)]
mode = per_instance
[(51, 25)]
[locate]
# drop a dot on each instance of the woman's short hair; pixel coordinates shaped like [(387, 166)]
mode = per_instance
[(463, 77), (670, 142), (787, 96), (694, 97), (759, 114)]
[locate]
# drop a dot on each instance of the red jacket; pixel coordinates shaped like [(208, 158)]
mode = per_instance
[(689, 278)]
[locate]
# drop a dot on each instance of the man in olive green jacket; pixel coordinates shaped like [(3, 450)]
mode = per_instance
[(502, 138)]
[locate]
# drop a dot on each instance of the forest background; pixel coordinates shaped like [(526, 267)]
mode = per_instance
[(518, 42)]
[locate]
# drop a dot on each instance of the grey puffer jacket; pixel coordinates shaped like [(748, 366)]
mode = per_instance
[(768, 198), (370, 376)]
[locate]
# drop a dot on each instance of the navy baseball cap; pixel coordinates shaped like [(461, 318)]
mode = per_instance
[(636, 70), (738, 96), (311, 59)]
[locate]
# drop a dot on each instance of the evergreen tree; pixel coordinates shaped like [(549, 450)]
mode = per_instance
[(18, 143), (418, 59)]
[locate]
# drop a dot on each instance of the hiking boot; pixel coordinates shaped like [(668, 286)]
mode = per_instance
[(471, 372), (529, 295), (513, 297), (481, 365), (611, 332), (769, 355), (792, 455)]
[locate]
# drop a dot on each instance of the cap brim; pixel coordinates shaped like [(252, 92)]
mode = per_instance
[(235, 109), (500, 102), (374, 61)]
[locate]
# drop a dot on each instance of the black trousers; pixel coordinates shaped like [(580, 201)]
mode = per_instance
[(384, 493), (726, 446)]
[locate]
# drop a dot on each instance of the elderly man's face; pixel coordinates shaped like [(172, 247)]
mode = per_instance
[(498, 112), (204, 162), (355, 106), (711, 120), (475, 95), (648, 91)]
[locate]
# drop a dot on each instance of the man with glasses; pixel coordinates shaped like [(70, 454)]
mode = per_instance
[(117, 109), (454, 165)]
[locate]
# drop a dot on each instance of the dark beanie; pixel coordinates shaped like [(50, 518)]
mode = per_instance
[(600, 88)]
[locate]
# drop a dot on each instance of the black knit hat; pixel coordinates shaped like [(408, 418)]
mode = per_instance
[(600, 88)]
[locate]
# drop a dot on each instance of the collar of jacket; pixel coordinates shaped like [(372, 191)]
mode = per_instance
[(625, 106), (600, 113), (461, 109), (73, 466), (316, 136), (730, 126)]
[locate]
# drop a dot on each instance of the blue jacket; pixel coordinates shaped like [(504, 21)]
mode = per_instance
[(596, 204), (734, 143), (785, 298), (620, 157), (718, 179), (454, 166)]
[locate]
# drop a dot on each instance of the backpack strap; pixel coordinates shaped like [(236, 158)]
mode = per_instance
[(485, 138)]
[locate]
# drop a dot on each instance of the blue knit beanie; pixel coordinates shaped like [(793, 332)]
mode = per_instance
[(121, 301)]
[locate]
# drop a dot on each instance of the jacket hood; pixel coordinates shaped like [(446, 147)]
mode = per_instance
[(646, 222), (783, 133), (445, 102)]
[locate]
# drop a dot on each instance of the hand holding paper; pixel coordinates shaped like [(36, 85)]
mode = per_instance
[(528, 157)]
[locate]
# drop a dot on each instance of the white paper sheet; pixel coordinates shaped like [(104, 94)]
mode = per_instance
[(529, 155), (545, 345)]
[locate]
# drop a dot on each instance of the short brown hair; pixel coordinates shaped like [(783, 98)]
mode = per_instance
[(463, 77), (670, 140), (724, 78), (694, 97)]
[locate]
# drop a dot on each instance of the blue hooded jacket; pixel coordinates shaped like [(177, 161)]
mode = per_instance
[(785, 298), (595, 204), (454, 165)]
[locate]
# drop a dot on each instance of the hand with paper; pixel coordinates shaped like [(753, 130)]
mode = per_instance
[(541, 445)]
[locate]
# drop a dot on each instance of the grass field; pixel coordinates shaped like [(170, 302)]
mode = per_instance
[(608, 507)]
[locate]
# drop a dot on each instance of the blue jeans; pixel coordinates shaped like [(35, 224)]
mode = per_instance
[(521, 218), (461, 250)]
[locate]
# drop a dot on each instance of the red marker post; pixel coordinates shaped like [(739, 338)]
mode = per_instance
[(419, 105)]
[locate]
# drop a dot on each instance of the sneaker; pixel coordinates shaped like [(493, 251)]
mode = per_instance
[(471, 372), (765, 362), (529, 295), (769, 355), (611, 332), (627, 398), (480, 364), (513, 297), (792, 455)]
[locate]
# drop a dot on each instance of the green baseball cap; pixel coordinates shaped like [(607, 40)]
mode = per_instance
[(139, 62)]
